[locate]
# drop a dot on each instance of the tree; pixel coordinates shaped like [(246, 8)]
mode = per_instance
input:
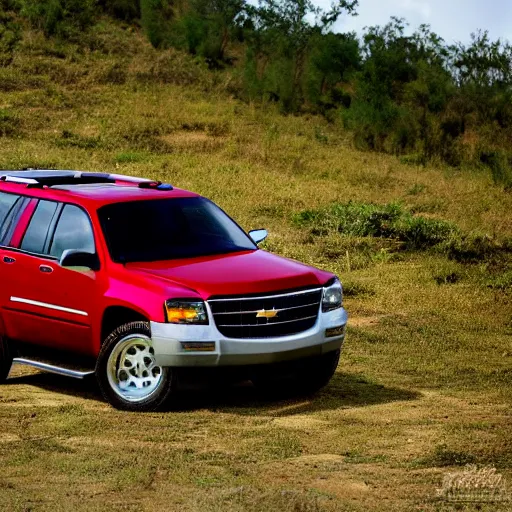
[(281, 40), (332, 60), (155, 19), (484, 63), (403, 81), (210, 25)]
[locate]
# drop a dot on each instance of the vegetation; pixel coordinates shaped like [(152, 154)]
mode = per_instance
[(424, 383), (410, 95), (386, 221)]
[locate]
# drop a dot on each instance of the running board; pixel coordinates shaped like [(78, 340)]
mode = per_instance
[(53, 369)]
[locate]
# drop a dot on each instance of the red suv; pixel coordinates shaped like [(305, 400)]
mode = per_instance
[(133, 280)]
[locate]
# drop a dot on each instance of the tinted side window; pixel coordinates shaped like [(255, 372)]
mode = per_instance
[(7, 201), (37, 231), (10, 206), (74, 231)]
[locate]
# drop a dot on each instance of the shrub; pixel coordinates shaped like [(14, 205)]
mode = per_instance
[(502, 281), (471, 247), (443, 457), (10, 36), (422, 232), (125, 10), (155, 16), (500, 164), (66, 19), (383, 221)]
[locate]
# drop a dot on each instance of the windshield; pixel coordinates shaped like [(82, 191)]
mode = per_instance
[(167, 229)]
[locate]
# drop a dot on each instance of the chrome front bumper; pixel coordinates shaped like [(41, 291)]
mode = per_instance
[(169, 341)]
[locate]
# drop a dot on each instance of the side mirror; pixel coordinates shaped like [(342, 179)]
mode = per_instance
[(79, 261), (258, 235)]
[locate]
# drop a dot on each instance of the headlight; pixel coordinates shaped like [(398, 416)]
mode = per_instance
[(186, 312), (332, 297)]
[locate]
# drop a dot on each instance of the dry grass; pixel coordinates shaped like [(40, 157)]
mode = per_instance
[(425, 380)]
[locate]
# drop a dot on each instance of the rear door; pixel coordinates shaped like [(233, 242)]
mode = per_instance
[(49, 305)]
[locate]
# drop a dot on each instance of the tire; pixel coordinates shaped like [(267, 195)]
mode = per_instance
[(126, 371), (306, 377), (5, 359)]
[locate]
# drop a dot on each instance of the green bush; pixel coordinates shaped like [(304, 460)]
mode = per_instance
[(10, 35), (472, 247), (445, 457), (422, 232), (125, 10), (501, 282), (66, 19), (155, 17), (500, 164), (382, 221)]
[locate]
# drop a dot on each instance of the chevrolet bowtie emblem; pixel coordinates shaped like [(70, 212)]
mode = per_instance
[(267, 313)]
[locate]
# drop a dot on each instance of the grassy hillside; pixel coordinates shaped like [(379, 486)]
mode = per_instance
[(425, 381)]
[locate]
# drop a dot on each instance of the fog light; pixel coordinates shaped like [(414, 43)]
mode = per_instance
[(198, 346), (335, 331)]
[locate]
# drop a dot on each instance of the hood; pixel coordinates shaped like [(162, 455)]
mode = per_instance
[(235, 274)]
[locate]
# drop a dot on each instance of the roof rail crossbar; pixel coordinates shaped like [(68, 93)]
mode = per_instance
[(39, 178), (17, 179), (52, 178), (68, 180)]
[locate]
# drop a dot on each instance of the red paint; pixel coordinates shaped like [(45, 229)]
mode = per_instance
[(140, 287)]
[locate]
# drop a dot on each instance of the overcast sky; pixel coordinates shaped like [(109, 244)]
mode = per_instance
[(453, 20)]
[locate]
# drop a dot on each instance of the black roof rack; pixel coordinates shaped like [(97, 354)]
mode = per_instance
[(37, 179), (34, 178)]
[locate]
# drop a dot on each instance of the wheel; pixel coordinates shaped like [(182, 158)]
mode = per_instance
[(126, 371), (302, 377), (5, 359)]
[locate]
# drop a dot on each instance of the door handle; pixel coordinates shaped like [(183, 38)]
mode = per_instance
[(46, 269), (8, 259)]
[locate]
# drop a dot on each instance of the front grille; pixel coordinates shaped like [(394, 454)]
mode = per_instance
[(296, 312)]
